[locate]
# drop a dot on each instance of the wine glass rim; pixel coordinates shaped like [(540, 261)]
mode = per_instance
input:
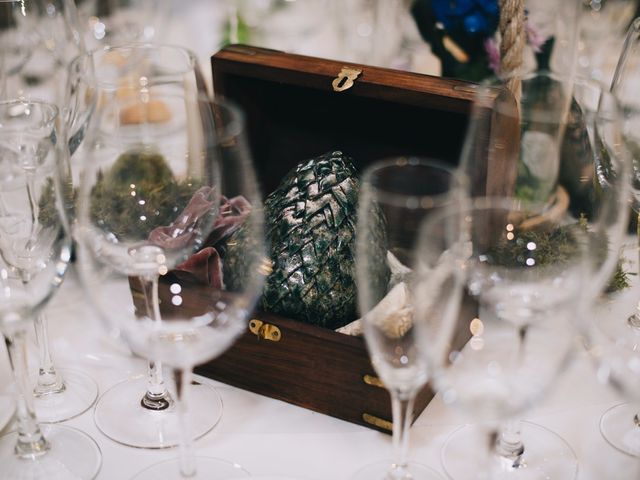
[(140, 46), (402, 199)]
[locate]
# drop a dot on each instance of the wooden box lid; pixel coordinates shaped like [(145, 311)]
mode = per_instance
[(293, 113)]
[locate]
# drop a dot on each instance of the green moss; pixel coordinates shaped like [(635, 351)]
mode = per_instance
[(138, 194), (555, 247)]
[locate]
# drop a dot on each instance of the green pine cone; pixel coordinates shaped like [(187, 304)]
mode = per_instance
[(311, 228)]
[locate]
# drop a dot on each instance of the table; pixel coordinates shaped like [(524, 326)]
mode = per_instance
[(268, 436)]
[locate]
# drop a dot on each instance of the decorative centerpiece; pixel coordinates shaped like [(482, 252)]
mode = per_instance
[(311, 229)]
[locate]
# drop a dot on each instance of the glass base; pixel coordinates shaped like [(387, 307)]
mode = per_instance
[(546, 456), (619, 428), (206, 468), (79, 395), (120, 416), (73, 455), (381, 471)]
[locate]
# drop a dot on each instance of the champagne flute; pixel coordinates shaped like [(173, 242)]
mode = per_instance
[(396, 195), (496, 252), (35, 248), (179, 187)]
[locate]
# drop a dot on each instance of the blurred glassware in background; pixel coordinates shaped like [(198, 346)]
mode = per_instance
[(602, 29), (371, 32), (115, 22), (295, 26), (38, 41)]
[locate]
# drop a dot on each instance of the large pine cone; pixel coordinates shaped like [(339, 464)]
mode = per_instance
[(311, 227)]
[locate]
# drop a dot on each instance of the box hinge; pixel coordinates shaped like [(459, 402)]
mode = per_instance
[(344, 80), (377, 422), (264, 330)]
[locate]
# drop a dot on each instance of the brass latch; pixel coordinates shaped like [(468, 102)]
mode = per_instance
[(373, 381), (377, 422), (265, 330), (344, 80)]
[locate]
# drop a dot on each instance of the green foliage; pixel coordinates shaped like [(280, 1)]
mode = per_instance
[(138, 194), (554, 247)]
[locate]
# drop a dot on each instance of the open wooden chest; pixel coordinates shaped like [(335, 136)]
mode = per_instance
[(296, 108)]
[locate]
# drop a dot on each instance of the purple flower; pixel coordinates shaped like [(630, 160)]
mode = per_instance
[(493, 54), (535, 37)]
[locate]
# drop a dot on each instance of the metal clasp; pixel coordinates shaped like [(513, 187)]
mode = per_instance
[(377, 422), (264, 330), (344, 80)]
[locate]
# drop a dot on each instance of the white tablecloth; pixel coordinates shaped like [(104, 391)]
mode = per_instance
[(268, 436)]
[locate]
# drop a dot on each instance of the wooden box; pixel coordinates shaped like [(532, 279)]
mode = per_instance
[(296, 108)]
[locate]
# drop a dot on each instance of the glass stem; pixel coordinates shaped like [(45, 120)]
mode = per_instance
[(401, 410), (508, 444), (634, 320), (49, 380), (183, 378), (31, 443), (157, 396)]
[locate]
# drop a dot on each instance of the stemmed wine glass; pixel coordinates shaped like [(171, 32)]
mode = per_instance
[(39, 40), (547, 148), (127, 73), (396, 195), (619, 425), (35, 248), (494, 254), (153, 193)]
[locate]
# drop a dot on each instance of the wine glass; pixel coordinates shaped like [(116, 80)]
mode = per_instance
[(118, 22), (619, 425), (131, 72), (152, 194), (396, 195), (35, 248), (39, 42), (547, 148), (509, 274)]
